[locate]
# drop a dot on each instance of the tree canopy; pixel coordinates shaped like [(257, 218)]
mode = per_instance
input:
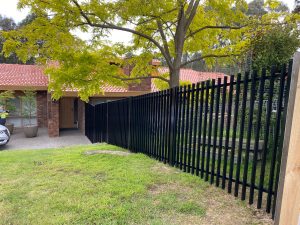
[(8, 24), (258, 8), (169, 29), (273, 47)]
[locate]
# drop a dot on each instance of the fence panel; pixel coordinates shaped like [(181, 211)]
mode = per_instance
[(228, 131)]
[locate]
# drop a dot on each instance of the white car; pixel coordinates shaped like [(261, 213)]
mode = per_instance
[(4, 135)]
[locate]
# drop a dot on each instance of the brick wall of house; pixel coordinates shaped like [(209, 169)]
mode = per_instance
[(41, 100), (143, 85), (53, 117), (127, 69)]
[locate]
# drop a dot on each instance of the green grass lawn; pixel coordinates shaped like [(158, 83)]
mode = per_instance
[(65, 186)]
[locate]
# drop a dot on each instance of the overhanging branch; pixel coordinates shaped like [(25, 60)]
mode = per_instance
[(228, 27), (208, 56), (107, 25), (215, 27), (191, 12), (164, 39), (142, 78)]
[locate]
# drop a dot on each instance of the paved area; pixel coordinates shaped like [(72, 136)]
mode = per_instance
[(18, 140)]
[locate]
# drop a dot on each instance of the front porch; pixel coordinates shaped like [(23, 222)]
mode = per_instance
[(67, 113), (18, 140), (64, 114)]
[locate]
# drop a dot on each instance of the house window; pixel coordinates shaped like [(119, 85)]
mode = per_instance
[(16, 107), (16, 113)]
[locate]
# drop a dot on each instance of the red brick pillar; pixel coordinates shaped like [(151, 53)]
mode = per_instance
[(53, 117), (42, 108)]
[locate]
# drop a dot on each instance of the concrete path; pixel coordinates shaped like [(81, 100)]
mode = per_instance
[(18, 140)]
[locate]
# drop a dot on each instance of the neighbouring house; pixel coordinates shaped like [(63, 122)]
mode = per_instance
[(68, 112)]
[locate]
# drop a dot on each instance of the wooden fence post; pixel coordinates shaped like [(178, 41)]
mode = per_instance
[(288, 197)]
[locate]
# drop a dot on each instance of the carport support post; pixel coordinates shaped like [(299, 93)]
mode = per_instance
[(288, 197)]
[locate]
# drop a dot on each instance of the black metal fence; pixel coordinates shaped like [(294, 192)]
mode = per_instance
[(228, 131)]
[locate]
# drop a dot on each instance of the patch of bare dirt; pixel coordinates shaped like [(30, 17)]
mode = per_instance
[(221, 208), (169, 187), (68, 171), (95, 152), (101, 176), (165, 169)]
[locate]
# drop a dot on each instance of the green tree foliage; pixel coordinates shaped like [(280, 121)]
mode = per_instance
[(8, 24), (168, 29), (27, 20), (273, 47), (297, 7), (5, 100), (29, 105), (258, 8)]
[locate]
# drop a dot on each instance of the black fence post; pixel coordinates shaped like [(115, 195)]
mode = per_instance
[(94, 124), (274, 149), (107, 122), (129, 123), (284, 127), (172, 125)]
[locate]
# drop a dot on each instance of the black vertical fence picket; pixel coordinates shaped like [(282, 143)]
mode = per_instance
[(228, 131)]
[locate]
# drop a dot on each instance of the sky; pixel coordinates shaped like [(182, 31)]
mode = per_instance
[(9, 9)]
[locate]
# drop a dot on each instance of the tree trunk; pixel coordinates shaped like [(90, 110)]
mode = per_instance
[(179, 39), (174, 77)]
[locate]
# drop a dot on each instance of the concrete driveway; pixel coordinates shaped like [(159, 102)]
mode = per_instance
[(18, 140)]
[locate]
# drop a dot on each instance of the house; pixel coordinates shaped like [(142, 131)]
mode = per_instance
[(68, 112)]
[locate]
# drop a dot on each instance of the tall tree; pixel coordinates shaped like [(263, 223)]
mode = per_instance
[(8, 24), (273, 47), (27, 20), (168, 29), (256, 7), (297, 7)]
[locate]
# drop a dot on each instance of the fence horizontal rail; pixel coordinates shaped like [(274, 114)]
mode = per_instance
[(227, 131)]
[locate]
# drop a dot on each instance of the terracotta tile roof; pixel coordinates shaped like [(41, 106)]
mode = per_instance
[(26, 76), (22, 76), (16, 75), (110, 88), (192, 76)]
